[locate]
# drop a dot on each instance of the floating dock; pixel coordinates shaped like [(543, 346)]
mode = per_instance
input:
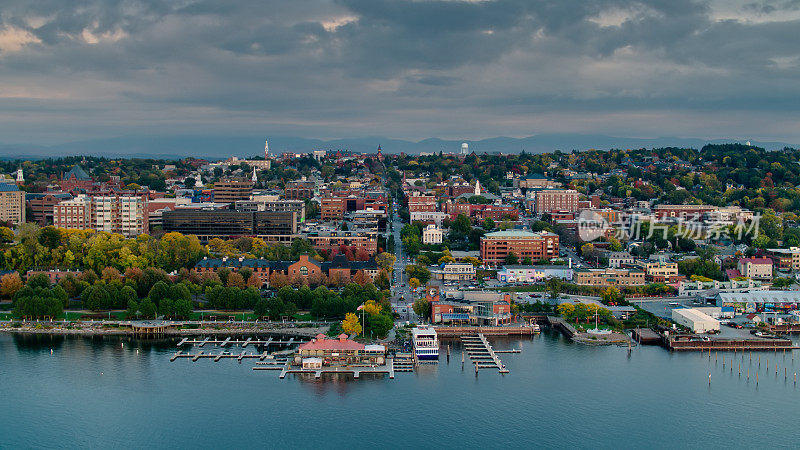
[(646, 336), (216, 357), (244, 343), (356, 371), (403, 362), (482, 354)]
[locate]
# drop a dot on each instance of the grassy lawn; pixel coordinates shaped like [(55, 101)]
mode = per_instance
[(76, 315), (223, 315)]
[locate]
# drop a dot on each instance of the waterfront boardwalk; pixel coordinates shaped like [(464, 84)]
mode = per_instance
[(486, 331), (482, 354), (692, 343)]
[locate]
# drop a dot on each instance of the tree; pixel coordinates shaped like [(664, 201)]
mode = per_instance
[(147, 308), (511, 258), (133, 309), (278, 280), (554, 285), (235, 279), (527, 261), (158, 292), (488, 224), (39, 280), (10, 284), (360, 278), (351, 325), (413, 283), (275, 307), (611, 295), (6, 235), (372, 308), (386, 261), (566, 310), (261, 307), (422, 308)]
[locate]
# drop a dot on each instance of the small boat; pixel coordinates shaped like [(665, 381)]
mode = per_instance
[(536, 328)]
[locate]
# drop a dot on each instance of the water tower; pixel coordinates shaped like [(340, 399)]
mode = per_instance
[(464, 148)]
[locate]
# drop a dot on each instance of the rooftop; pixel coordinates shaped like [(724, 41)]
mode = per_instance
[(517, 234)]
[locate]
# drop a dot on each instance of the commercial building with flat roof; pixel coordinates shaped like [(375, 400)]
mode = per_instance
[(533, 274), (609, 277), (272, 226), (233, 189), (695, 320), (496, 246), (12, 204), (547, 200), (759, 301)]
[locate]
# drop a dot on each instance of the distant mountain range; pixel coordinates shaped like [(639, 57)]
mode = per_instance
[(220, 147)]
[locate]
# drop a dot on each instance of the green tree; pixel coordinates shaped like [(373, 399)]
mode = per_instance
[(133, 309), (511, 259), (147, 308), (422, 308)]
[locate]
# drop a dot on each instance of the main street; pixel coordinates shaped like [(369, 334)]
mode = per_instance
[(401, 294)]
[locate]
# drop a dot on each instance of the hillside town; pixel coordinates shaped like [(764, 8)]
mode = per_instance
[(598, 243)]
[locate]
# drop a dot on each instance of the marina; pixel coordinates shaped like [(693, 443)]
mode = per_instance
[(87, 372), (481, 353)]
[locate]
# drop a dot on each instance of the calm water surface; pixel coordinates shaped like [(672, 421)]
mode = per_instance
[(95, 392)]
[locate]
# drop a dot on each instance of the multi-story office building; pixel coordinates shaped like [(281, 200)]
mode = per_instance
[(12, 204), (547, 200), (421, 202), (272, 226), (495, 247), (42, 205), (300, 190), (232, 190)]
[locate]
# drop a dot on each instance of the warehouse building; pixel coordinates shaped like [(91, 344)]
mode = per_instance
[(695, 320)]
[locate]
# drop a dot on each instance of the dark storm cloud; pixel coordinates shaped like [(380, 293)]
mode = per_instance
[(403, 68)]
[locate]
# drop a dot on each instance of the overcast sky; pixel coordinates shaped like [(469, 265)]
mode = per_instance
[(74, 69)]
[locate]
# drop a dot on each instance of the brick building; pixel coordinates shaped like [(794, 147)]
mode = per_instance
[(495, 247), (547, 200), (233, 189), (42, 205)]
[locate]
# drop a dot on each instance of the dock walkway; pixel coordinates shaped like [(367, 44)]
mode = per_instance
[(244, 343), (481, 353)]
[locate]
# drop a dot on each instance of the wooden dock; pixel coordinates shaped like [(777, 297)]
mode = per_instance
[(403, 362), (486, 331), (356, 371), (690, 343), (646, 336), (482, 354), (244, 343), (216, 357)]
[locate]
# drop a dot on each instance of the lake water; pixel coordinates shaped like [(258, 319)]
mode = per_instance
[(95, 392)]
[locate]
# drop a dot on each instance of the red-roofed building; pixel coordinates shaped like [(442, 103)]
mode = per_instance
[(340, 350)]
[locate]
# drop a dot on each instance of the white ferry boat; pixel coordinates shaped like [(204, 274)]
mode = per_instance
[(426, 342)]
